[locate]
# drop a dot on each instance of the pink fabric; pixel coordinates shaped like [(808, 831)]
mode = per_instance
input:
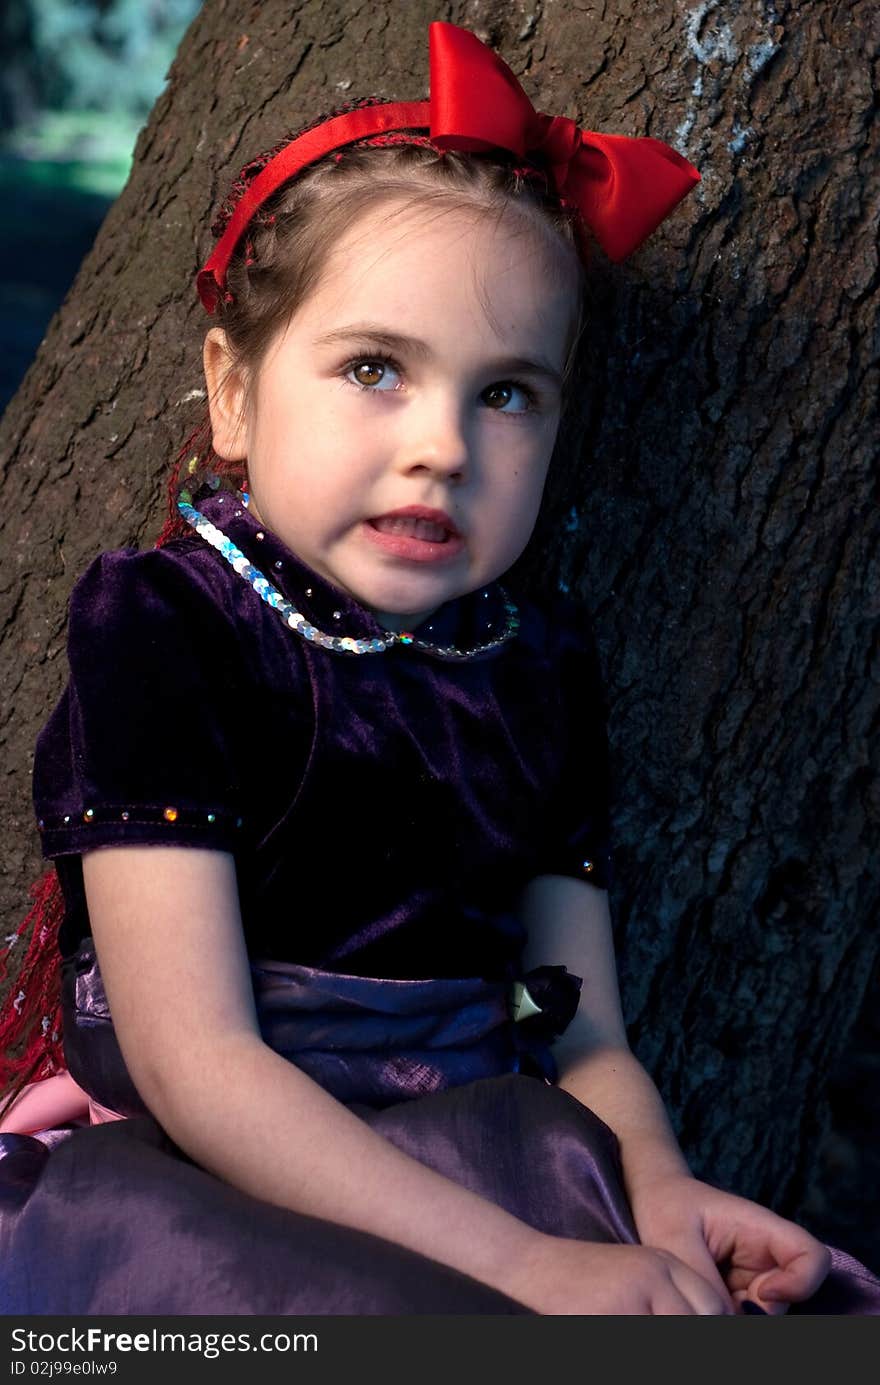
[(52, 1102), (99, 1115)]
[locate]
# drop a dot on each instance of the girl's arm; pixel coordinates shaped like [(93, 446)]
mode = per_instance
[(766, 1259), (170, 944), (568, 921)]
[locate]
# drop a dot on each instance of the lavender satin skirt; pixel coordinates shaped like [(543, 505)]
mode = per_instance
[(115, 1218)]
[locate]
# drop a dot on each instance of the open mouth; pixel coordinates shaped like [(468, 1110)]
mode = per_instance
[(411, 528), (409, 538)]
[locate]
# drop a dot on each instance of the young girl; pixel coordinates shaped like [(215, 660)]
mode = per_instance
[(327, 796)]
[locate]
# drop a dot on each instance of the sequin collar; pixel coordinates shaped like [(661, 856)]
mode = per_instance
[(466, 622)]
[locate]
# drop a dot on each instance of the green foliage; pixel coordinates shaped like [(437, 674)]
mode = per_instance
[(79, 78), (106, 57)]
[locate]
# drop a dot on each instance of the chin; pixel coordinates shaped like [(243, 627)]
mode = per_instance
[(405, 603)]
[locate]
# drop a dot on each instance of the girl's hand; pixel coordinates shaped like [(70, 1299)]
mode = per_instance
[(739, 1247), (556, 1275)]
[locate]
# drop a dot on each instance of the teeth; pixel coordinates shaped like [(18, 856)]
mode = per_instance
[(416, 528)]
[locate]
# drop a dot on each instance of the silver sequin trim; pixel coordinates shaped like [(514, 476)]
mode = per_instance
[(295, 620)]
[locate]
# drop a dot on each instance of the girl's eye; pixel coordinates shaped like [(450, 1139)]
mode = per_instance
[(511, 387), (370, 373), (370, 366)]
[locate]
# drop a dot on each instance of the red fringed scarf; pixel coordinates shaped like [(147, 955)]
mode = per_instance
[(32, 1010)]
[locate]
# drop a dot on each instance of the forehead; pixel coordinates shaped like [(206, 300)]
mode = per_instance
[(446, 271)]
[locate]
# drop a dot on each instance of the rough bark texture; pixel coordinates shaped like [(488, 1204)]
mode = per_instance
[(720, 519)]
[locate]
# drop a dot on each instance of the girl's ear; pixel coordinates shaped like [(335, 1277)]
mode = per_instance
[(225, 397)]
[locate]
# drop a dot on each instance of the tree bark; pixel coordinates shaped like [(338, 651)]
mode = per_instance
[(718, 516)]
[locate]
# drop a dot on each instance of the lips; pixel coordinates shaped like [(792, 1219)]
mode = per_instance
[(415, 528), (417, 521), (409, 547)]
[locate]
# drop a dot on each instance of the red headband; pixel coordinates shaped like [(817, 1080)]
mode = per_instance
[(623, 186)]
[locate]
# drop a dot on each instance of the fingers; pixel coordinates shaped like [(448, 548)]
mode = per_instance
[(745, 1296), (693, 1255), (701, 1297), (669, 1303), (794, 1277), (772, 1260), (707, 1270)]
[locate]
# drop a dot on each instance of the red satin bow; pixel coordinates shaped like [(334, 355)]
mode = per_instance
[(623, 186)]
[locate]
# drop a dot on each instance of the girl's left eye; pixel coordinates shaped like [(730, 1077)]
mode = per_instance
[(381, 364)]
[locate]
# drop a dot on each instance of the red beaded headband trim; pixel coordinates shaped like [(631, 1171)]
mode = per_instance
[(307, 149)]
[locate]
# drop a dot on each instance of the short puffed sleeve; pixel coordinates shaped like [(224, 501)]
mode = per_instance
[(576, 836), (142, 746)]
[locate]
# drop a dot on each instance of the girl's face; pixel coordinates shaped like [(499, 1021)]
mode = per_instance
[(461, 416)]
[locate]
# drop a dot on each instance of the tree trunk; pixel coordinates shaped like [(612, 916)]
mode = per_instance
[(719, 517)]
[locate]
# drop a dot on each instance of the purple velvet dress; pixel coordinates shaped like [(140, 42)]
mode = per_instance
[(384, 812)]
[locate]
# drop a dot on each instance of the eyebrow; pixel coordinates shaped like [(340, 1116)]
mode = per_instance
[(396, 341)]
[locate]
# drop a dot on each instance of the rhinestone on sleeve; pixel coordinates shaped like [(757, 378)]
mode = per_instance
[(141, 814)]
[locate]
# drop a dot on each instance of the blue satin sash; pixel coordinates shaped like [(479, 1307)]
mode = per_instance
[(367, 1040)]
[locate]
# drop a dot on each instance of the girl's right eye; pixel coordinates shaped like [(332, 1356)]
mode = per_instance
[(372, 364)]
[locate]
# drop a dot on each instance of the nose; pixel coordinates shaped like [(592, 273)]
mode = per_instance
[(435, 437)]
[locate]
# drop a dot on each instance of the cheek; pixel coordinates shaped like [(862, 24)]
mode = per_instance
[(323, 481), (513, 519), (526, 488)]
